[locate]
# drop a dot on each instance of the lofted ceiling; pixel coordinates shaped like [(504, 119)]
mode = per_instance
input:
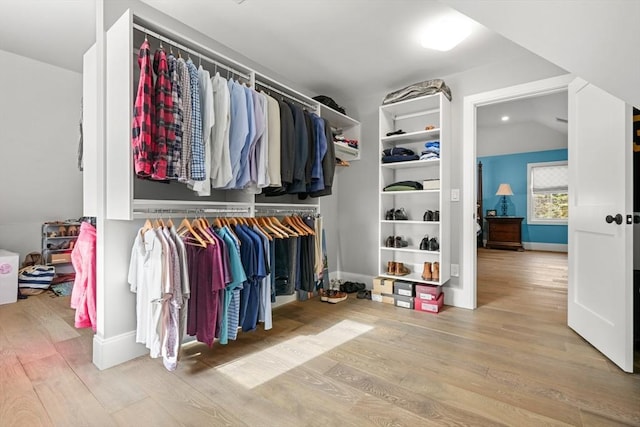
[(543, 110), (331, 47)]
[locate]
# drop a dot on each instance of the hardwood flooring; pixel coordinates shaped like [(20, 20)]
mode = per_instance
[(512, 362)]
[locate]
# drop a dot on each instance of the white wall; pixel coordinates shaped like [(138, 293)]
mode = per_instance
[(358, 198), (39, 177), (517, 138)]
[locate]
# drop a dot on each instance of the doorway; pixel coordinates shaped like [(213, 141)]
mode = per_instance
[(516, 141)]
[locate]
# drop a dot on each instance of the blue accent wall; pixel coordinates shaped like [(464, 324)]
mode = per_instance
[(512, 169)]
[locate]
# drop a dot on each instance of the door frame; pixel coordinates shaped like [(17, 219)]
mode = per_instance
[(469, 176)]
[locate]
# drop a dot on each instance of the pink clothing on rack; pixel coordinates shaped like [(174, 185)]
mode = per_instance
[(83, 296)]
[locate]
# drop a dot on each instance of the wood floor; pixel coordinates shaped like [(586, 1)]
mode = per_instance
[(513, 362)]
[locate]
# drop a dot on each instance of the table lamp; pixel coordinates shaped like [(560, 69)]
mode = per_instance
[(504, 190)]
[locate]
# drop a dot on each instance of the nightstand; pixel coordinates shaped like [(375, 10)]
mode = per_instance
[(505, 232)]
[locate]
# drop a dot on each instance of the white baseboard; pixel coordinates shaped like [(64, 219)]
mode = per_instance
[(116, 350), (549, 247)]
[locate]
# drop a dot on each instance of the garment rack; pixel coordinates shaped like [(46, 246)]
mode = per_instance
[(260, 212), (162, 213), (182, 47), (266, 86)]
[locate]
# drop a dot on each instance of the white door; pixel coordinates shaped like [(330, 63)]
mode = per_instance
[(600, 300)]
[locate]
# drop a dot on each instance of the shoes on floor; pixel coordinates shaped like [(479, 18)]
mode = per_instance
[(351, 287), (364, 294), (334, 297)]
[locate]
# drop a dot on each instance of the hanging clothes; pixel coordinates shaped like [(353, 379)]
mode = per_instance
[(174, 150), (187, 124), (163, 124), (142, 139), (221, 163), (83, 295)]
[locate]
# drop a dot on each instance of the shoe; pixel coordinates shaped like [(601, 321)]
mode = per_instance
[(400, 214), (436, 216), (324, 295), (424, 244), (62, 231), (351, 287), (72, 230), (433, 245), (391, 267), (435, 276), (401, 270), (364, 294), (397, 132), (389, 215), (335, 297), (426, 271), (428, 216), (389, 242), (399, 243)]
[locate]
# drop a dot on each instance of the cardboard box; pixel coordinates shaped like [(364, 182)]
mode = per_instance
[(428, 292), (61, 258), (382, 298), (402, 301), (430, 306), (382, 286), (403, 288), (8, 276), (431, 184)]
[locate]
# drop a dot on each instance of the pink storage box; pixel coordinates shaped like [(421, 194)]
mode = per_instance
[(428, 292), (433, 306)]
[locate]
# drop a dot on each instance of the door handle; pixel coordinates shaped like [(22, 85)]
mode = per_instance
[(617, 219)]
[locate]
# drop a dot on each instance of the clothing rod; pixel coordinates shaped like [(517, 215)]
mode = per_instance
[(266, 86), (193, 210), (179, 46), (272, 211)]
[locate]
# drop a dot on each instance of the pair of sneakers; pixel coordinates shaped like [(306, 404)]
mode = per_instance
[(396, 214), (332, 296)]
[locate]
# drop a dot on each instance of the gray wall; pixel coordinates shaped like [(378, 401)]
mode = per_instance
[(518, 138), (39, 179), (358, 196)]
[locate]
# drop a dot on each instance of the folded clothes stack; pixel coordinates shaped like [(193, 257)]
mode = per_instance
[(404, 186), (398, 154), (431, 151), (353, 143)]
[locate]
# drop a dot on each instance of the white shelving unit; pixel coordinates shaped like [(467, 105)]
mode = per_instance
[(413, 117), (350, 129)]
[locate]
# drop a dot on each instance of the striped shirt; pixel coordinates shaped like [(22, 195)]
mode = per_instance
[(142, 140), (174, 151), (197, 144)]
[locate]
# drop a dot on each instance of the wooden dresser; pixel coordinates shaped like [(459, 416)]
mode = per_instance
[(504, 232)]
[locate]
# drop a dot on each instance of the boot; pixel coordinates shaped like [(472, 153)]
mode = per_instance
[(436, 272), (426, 271), (391, 267), (401, 270)]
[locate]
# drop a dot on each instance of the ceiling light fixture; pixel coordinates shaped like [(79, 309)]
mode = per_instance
[(446, 33), (504, 118)]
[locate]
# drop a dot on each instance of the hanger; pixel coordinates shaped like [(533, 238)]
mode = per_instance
[(254, 222), (291, 222), (198, 225), (304, 225), (147, 226), (265, 225), (194, 239)]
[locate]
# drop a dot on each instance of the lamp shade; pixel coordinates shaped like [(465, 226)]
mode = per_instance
[(504, 190)]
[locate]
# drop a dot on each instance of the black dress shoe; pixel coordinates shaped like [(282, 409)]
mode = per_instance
[(428, 216), (399, 243), (400, 214), (436, 216), (433, 245), (424, 244), (389, 215), (389, 242)]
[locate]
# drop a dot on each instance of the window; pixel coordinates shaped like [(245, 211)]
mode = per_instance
[(548, 201)]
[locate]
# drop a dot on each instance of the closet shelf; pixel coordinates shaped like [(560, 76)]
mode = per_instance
[(386, 221), (410, 250), (413, 277), (411, 164), (417, 136), (346, 149), (396, 193)]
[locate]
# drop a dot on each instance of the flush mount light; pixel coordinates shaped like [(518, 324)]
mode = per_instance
[(504, 118), (445, 34)]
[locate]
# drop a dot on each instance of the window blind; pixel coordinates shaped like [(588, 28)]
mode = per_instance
[(550, 179)]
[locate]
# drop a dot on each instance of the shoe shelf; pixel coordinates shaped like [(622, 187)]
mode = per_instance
[(399, 221), (411, 164), (414, 117), (409, 250), (417, 136)]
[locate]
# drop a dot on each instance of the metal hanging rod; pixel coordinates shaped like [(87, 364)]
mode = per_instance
[(159, 212), (266, 86), (285, 211), (182, 47)]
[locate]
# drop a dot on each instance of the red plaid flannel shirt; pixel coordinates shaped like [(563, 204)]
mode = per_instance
[(142, 140), (163, 131)]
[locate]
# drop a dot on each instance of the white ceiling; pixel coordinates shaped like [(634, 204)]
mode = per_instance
[(542, 110)]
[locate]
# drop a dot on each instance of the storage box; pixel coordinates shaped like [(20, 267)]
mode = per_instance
[(8, 276), (430, 306), (431, 184), (428, 292), (382, 286), (382, 298), (403, 288), (402, 301), (61, 258)]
